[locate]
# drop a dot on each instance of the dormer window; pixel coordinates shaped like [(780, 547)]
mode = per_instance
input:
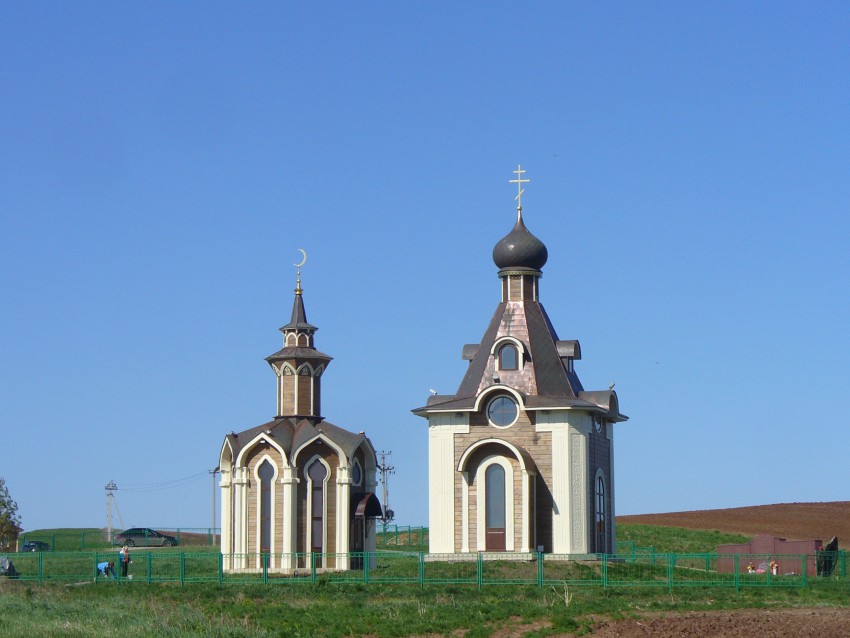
[(508, 357)]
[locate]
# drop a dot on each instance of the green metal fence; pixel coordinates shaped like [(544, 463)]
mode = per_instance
[(402, 536), (419, 568)]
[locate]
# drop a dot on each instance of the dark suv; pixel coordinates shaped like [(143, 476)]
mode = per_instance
[(145, 537), (35, 546)]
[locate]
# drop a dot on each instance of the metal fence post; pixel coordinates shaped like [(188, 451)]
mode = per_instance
[(265, 559), (540, 569), (150, 568), (480, 575), (220, 568), (843, 563), (182, 569), (671, 562), (366, 558), (604, 571), (312, 567), (40, 568), (803, 569), (737, 566)]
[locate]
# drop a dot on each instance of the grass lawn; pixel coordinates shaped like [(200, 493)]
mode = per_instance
[(676, 540), (71, 608), (137, 610)]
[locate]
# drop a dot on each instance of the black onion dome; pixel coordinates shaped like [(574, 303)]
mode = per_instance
[(520, 249)]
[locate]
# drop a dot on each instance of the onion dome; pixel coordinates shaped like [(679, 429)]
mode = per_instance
[(520, 250)]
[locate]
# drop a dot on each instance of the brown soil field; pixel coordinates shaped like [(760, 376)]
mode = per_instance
[(819, 622), (791, 521), (774, 623)]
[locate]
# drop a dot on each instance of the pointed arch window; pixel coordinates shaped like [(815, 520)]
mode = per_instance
[(265, 473), (601, 518), (508, 357), (317, 473)]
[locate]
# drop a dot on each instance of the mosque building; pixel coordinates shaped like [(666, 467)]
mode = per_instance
[(298, 488)]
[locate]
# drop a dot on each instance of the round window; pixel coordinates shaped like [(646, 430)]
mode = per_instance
[(502, 411)]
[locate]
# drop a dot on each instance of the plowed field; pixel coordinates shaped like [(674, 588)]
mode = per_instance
[(775, 623), (792, 521)]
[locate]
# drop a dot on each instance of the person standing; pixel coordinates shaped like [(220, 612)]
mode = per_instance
[(125, 559)]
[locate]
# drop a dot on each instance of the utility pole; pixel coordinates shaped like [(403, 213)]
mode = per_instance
[(386, 469), (110, 497), (212, 530)]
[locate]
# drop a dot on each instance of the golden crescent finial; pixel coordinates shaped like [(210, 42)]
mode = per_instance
[(298, 270)]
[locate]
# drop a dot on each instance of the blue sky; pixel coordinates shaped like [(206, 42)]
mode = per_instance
[(161, 163)]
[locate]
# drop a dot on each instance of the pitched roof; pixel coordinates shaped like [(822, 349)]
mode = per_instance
[(290, 433)]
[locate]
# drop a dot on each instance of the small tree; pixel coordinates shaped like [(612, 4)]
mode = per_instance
[(10, 523)]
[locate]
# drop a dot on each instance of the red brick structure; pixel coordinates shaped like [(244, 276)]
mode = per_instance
[(765, 549)]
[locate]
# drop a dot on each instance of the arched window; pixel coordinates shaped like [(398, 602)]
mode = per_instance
[(494, 515), (508, 357), (600, 514), (265, 473), (317, 473)]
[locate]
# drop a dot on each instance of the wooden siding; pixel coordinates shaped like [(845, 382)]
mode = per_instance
[(330, 457), (539, 446)]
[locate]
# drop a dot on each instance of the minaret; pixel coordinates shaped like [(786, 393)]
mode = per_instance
[(299, 366)]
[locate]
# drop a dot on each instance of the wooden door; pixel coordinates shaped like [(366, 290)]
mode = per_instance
[(494, 512)]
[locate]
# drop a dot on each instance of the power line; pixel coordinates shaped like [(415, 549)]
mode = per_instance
[(165, 485)]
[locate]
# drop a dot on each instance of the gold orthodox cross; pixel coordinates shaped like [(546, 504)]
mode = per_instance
[(519, 181)]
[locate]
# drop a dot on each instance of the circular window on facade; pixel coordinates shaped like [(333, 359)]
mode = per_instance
[(502, 411)]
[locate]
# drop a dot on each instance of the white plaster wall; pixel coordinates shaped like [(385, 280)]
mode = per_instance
[(570, 429), (442, 475)]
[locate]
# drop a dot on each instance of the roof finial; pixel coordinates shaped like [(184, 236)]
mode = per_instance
[(519, 181), (298, 266)]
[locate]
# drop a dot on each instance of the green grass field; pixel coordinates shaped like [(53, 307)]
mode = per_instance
[(135, 609), (676, 539)]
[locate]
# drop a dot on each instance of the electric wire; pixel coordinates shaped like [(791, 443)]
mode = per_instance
[(164, 485)]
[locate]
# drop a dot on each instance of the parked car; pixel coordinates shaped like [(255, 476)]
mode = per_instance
[(145, 537), (35, 546)]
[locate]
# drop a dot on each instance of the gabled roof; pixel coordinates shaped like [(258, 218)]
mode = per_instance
[(543, 372), (290, 433)]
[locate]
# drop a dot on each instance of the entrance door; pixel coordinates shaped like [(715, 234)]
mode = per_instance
[(494, 514)]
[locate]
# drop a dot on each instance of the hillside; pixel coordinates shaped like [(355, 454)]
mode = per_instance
[(793, 521)]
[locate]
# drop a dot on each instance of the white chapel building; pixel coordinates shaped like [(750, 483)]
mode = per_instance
[(521, 457)]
